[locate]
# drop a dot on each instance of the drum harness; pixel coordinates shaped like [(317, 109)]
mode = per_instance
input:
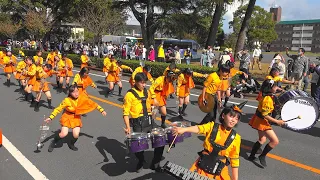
[(145, 120), (211, 162)]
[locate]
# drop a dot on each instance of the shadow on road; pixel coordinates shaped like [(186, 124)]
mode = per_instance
[(100, 82), (314, 131), (155, 176)]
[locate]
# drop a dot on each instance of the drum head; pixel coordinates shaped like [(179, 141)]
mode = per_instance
[(176, 124), (158, 132), (304, 107), (137, 135)]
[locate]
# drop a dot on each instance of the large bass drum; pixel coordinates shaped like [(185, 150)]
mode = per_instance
[(296, 103)]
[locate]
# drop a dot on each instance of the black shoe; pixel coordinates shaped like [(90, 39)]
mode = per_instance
[(51, 146), (180, 116), (171, 96), (263, 161), (139, 166), (49, 104), (252, 158), (71, 145), (156, 167), (164, 126), (36, 107)]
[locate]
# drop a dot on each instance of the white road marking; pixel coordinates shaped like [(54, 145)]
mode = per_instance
[(25, 163), (196, 95)]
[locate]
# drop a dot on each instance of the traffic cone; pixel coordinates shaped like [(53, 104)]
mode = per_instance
[(0, 137)]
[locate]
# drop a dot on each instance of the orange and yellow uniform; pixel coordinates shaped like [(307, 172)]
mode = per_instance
[(106, 64), (37, 60), (212, 83), (265, 108), (21, 66), (166, 71), (84, 61), (160, 90), (115, 71), (65, 67), (30, 73), (74, 108), (185, 84), (231, 152), (133, 106), (40, 83), (139, 70), (2, 55), (275, 79), (51, 60), (9, 63), (83, 83), (225, 80)]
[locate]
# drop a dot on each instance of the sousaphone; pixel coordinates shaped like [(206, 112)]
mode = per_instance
[(208, 106)]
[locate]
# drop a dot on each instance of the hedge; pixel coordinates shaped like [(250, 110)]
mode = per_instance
[(157, 68)]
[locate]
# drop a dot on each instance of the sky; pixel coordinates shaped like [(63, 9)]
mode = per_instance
[(291, 10)]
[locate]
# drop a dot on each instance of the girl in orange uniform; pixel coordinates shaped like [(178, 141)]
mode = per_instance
[(260, 121), (41, 85), (21, 68), (84, 60), (114, 76), (30, 73), (160, 90), (185, 84), (83, 80), (74, 105), (106, 65), (38, 59), (65, 67), (9, 62), (221, 144), (146, 70)]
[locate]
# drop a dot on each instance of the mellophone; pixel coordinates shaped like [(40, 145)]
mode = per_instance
[(159, 137), (181, 173)]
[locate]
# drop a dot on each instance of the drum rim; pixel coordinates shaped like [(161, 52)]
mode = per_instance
[(143, 135), (313, 103)]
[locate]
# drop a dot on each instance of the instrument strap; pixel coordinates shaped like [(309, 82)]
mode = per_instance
[(143, 100)]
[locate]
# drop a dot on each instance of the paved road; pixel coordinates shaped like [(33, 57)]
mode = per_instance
[(102, 153)]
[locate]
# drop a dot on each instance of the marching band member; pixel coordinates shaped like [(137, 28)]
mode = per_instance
[(65, 67), (185, 84), (115, 72), (84, 59), (9, 61), (38, 59), (74, 105), (106, 65), (2, 55), (260, 121), (51, 57), (146, 70), (41, 85), (160, 90), (137, 105), (30, 73), (83, 80), (221, 144), (172, 67), (225, 90), (21, 67), (211, 86)]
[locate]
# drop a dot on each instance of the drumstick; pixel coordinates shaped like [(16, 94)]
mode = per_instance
[(299, 117), (172, 143)]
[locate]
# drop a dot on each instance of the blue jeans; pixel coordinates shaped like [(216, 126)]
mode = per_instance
[(188, 60), (315, 92)]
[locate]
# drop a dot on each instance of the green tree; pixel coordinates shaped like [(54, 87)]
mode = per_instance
[(37, 23), (260, 28)]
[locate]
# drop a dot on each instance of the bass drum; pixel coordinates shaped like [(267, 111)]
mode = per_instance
[(296, 103)]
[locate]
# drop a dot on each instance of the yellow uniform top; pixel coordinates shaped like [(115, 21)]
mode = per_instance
[(157, 85), (133, 106), (6, 59), (37, 58), (77, 79), (160, 51), (212, 83), (21, 66), (140, 70), (165, 71), (276, 79), (265, 106), (234, 72), (84, 59), (70, 105), (21, 53), (106, 62), (231, 152), (32, 69), (61, 65), (183, 80), (2, 54), (51, 56)]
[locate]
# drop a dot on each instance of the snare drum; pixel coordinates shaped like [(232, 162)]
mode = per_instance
[(296, 103), (158, 137), (137, 142), (170, 136)]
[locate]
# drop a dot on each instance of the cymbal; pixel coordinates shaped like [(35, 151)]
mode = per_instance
[(210, 103)]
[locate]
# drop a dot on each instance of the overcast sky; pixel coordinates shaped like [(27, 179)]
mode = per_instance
[(291, 10)]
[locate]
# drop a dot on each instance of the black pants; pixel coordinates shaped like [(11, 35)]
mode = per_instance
[(211, 116), (244, 70), (158, 152)]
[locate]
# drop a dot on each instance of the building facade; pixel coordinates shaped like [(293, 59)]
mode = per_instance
[(296, 34)]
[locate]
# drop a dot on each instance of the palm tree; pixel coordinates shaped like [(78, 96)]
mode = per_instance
[(244, 27)]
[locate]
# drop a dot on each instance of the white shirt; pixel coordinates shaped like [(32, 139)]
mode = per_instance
[(144, 52), (224, 58), (256, 52)]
